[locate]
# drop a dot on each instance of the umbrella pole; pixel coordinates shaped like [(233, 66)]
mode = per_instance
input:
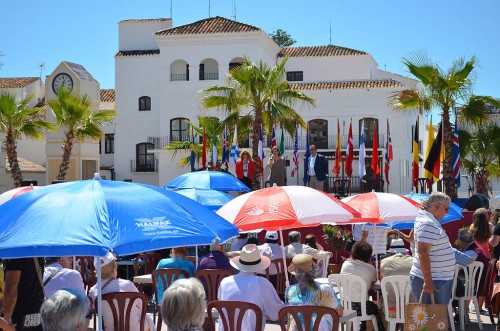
[(376, 253), (287, 281), (99, 295), (196, 254)]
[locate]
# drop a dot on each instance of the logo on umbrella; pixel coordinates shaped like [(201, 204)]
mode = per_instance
[(156, 223), (255, 211)]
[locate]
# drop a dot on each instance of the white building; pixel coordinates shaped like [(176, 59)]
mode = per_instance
[(160, 70)]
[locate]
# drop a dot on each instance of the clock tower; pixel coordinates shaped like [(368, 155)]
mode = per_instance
[(84, 161)]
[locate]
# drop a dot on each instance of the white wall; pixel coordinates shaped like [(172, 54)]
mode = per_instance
[(137, 34)]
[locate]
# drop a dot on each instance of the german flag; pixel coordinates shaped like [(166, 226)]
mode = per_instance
[(433, 162), (416, 157)]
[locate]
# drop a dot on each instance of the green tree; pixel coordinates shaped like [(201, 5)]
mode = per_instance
[(17, 120), (282, 38), (78, 121), (442, 89), (263, 92)]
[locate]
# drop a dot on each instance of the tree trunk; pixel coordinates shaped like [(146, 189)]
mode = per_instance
[(449, 184), (257, 122), (11, 149), (67, 148)]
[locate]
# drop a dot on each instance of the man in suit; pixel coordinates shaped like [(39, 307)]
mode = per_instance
[(317, 169)]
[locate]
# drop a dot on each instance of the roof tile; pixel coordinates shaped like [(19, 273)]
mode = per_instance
[(327, 50), (25, 165), (138, 52), (17, 82), (389, 83), (209, 25), (107, 95)]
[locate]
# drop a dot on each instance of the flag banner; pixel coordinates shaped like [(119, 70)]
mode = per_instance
[(349, 157), (282, 143), (433, 162), (338, 152), (362, 153), (273, 139), (233, 156), (456, 155), (375, 164), (306, 159), (204, 151), (430, 141), (416, 157), (214, 150), (388, 154), (192, 157), (295, 152), (261, 152)]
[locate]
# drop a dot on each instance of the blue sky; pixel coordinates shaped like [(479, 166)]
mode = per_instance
[(86, 31)]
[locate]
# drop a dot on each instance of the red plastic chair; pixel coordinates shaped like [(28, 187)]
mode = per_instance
[(303, 317), (85, 265), (211, 278), (280, 276), (231, 314), (121, 304)]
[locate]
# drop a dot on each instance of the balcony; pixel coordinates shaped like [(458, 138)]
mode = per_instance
[(210, 76), (179, 77), (151, 166)]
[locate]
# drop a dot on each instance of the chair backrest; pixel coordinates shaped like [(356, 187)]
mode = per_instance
[(307, 317), (231, 314), (347, 285), (399, 288), (377, 184), (342, 187), (472, 274), (165, 277), (148, 261), (211, 278), (121, 305), (280, 276), (85, 265), (489, 281)]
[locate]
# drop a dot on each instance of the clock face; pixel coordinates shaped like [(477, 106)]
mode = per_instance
[(63, 81)]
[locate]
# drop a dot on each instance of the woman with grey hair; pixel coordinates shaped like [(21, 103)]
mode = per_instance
[(308, 292), (65, 310), (183, 305)]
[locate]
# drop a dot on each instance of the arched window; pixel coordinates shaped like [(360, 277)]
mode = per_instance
[(179, 129), (144, 103), (318, 133), (209, 70), (179, 70), (236, 62), (144, 157)]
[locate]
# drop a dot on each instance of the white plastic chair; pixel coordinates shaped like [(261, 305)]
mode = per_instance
[(472, 275), (450, 303), (400, 286), (346, 285)]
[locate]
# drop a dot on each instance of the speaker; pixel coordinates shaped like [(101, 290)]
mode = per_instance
[(477, 201)]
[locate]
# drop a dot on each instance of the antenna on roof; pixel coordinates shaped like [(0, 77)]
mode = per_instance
[(41, 65), (330, 32), (2, 54), (208, 8), (234, 10), (170, 9)]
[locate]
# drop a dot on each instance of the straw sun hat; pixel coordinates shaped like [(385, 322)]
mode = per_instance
[(301, 262), (250, 259)]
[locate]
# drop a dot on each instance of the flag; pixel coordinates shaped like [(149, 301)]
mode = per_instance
[(388, 154), (375, 164), (282, 143), (362, 152), (214, 150), (273, 139), (225, 149), (433, 162), (430, 142), (192, 157), (349, 157), (456, 155), (295, 152), (338, 152), (233, 157), (261, 152), (306, 160), (204, 151), (414, 174)]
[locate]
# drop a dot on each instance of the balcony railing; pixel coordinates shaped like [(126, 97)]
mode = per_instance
[(211, 76), (178, 77), (144, 167)]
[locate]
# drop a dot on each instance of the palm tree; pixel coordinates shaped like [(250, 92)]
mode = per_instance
[(18, 120), (265, 93), (442, 89), (78, 121)]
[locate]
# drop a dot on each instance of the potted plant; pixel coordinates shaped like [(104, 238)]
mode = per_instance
[(335, 236)]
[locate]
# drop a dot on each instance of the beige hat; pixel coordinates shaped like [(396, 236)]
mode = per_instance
[(302, 262), (250, 259), (105, 260)]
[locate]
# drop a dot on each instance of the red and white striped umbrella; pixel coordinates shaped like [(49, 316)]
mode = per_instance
[(285, 207), (377, 207), (6, 196)]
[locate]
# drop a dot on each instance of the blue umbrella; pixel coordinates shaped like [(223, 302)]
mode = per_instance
[(90, 217), (207, 179), (211, 199), (455, 213)]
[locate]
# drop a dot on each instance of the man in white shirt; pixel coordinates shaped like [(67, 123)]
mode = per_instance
[(295, 247), (58, 275), (317, 169), (271, 249)]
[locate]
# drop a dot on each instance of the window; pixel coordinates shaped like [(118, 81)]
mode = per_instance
[(144, 103), (109, 143), (294, 76), (145, 160), (234, 65), (318, 133), (202, 71), (369, 123), (179, 129)]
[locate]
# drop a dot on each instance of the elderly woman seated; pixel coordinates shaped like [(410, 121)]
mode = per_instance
[(112, 284), (309, 292), (66, 310), (183, 305)]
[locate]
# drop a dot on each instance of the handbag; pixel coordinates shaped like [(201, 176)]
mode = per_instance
[(428, 317)]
